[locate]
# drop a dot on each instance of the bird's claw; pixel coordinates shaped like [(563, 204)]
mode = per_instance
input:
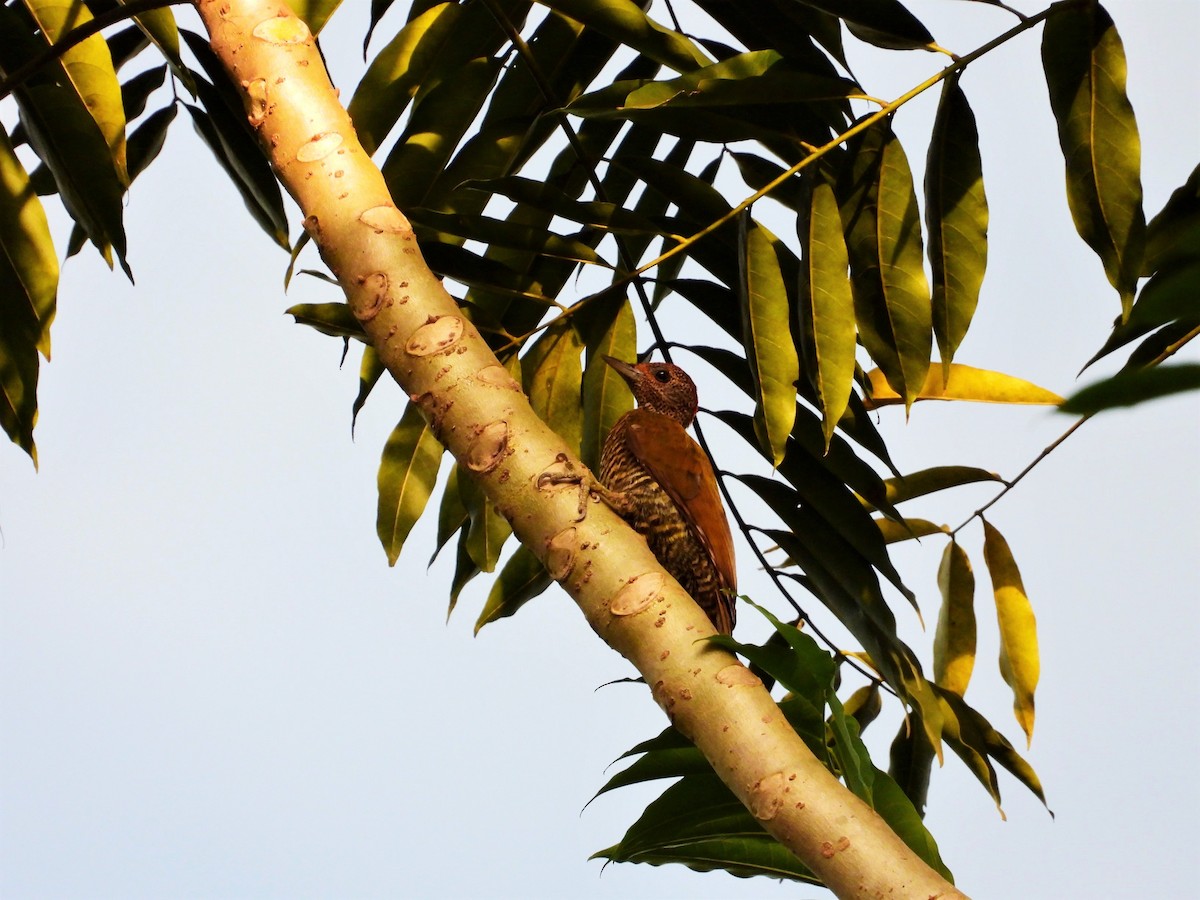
[(562, 471)]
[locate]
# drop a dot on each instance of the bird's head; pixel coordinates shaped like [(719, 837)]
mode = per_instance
[(661, 388)]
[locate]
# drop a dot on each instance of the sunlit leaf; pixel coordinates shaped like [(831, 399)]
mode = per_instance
[(552, 372), (396, 72), (963, 383), (883, 233), (1084, 62), (1019, 660), (488, 530), (28, 249), (314, 12), (912, 529), (334, 319), (767, 337), (954, 639), (370, 370), (935, 478), (606, 397), (626, 22), (827, 304), (956, 216), (89, 67), (407, 474), (522, 578)]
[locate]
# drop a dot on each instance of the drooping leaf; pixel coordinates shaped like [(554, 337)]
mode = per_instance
[(963, 383), (66, 137), (700, 824), (827, 304), (522, 578), (767, 337), (89, 68), (334, 319), (552, 372), (28, 249), (626, 22), (956, 215), (407, 472), (315, 13), (1173, 236), (1172, 293), (606, 397), (370, 370), (884, 23), (911, 529), (1128, 388), (954, 639), (883, 234), (397, 71), (230, 141), (488, 531), (1019, 660), (935, 478), (1084, 62)]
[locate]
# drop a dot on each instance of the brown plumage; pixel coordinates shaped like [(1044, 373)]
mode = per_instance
[(659, 480)]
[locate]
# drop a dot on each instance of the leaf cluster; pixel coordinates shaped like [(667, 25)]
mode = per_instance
[(585, 148)]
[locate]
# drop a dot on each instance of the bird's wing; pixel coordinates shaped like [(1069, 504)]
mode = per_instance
[(678, 464)]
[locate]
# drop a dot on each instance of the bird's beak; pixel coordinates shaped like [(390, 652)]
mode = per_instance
[(624, 369)]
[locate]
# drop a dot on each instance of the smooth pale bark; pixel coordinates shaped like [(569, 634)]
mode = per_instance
[(482, 417)]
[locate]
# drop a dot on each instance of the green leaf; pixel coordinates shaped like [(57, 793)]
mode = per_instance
[(1019, 659), (911, 529), (397, 71), (89, 68), (1128, 388), (242, 159), (315, 13), (407, 474), (883, 230), (28, 250), (334, 319), (1084, 62), (827, 304), (935, 478), (884, 23), (502, 233), (69, 141), (1173, 236), (962, 383), (954, 639), (1171, 293), (625, 21), (488, 530), (767, 337), (699, 823), (452, 513), (552, 373), (956, 215), (370, 370), (522, 578), (606, 397)]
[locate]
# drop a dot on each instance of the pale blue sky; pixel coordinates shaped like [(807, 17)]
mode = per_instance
[(212, 686)]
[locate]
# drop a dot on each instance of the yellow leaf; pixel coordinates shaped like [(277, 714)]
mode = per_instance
[(1019, 660), (963, 383), (954, 640), (917, 528)]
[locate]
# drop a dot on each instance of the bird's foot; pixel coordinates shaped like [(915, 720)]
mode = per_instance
[(562, 471)]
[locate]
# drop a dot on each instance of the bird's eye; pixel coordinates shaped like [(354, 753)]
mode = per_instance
[(662, 376)]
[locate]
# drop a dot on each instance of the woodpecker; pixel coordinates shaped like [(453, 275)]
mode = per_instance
[(658, 479)]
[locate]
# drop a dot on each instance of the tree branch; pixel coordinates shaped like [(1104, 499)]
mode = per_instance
[(481, 416)]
